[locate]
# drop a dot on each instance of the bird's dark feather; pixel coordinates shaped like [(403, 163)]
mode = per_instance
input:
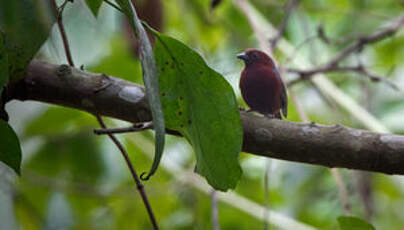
[(261, 85)]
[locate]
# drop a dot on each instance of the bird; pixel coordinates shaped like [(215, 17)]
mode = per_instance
[(261, 86)]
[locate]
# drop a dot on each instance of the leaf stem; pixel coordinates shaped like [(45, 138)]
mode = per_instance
[(135, 176), (113, 5), (63, 33)]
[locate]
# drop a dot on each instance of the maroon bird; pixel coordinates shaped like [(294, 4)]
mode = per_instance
[(261, 85)]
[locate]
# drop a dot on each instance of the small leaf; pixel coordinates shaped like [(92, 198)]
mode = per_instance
[(201, 105), (3, 63), (10, 151), (94, 6), (150, 79), (353, 223), (26, 25)]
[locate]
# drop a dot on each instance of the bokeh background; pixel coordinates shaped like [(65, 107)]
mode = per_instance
[(72, 179)]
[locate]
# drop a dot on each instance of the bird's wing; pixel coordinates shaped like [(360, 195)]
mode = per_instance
[(284, 100), (284, 95)]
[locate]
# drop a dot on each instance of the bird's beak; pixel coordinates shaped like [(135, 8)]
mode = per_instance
[(242, 56)]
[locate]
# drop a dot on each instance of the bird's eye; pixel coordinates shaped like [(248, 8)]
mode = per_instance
[(255, 55)]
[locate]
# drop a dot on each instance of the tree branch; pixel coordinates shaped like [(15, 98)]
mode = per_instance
[(330, 146), (360, 69), (333, 64)]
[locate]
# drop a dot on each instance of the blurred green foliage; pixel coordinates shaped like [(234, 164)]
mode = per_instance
[(10, 150), (26, 24), (69, 174)]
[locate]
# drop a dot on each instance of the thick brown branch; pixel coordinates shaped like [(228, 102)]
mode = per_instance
[(331, 146)]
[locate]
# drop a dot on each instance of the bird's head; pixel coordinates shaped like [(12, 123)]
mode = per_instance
[(254, 57)]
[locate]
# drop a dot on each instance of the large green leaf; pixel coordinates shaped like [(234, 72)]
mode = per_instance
[(353, 223), (10, 151), (94, 6), (201, 105), (26, 24), (150, 79)]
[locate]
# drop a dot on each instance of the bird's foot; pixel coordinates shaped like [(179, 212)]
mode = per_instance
[(245, 110), (270, 116)]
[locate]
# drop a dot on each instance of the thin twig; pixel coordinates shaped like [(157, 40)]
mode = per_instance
[(360, 69), (357, 46), (288, 12), (130, 129), (113, 5), (342, 190), (214, 210), (135, 128), (62, 31), (364, 189), (135, 176)]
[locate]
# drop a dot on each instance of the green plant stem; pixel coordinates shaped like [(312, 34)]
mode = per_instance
[(132, 170)]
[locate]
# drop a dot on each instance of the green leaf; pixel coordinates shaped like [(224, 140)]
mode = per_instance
[(10, 151), (201, 105), (26, 24), (3, 63), (94, 6), (150, 79), (77, 153), (353, 223), (48, 123)]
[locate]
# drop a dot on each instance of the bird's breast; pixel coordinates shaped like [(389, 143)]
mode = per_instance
[(260, 88)]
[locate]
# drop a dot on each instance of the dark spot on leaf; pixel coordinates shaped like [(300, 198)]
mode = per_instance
[(167, 63), (179, 113), (182, 126), (200, 72), (181, 98), (163, 94), (189, 122), (162, 69)]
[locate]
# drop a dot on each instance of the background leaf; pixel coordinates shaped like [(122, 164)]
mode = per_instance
[(150, 79), (94, 6), (77, 153), (10, 151), (353, 223), (199, 103), (26, 24)]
